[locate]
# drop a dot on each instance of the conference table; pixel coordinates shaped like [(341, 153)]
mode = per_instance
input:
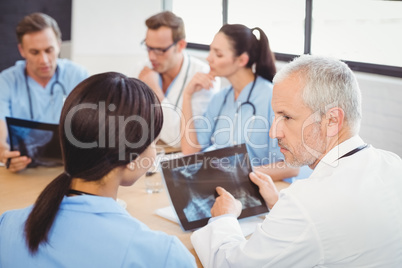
[(18, 190)]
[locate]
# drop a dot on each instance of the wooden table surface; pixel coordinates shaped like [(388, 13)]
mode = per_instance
[(21, 190)]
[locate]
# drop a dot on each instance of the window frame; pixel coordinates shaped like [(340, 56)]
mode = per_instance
[(387, 70)]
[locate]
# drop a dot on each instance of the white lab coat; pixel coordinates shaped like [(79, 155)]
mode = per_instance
[(347, 214), (171, 133)]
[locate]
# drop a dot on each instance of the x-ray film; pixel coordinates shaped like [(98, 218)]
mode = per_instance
[(191, 182), (39, 141)]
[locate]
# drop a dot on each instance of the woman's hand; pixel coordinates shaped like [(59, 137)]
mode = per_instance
[(267, 187), (198, 82)]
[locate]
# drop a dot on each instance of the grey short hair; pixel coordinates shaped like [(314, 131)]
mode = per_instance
[(328, 83)]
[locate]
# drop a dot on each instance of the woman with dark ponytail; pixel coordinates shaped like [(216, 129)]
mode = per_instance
[(108, 127), (241, 112)]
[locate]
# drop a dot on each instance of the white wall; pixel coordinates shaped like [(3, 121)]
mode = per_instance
[(382, 111), (106, 36)]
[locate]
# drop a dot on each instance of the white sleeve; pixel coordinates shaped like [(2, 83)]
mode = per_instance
[(170, 132), (287, 238)]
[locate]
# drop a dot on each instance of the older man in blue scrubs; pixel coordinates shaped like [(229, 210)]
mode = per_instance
[(35, 88)]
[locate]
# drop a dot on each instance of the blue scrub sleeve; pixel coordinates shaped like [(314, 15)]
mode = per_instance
[(5, 96), (179, 256)]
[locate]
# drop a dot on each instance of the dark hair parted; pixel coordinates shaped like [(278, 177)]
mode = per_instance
[(243, 40), (106, 122), (36, 22), (168, 19)]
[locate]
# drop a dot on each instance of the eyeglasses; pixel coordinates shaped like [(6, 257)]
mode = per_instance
[(158, 51)]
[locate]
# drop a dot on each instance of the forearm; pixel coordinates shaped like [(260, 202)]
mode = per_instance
[(286, 238), (3, 139), (189, 141), (152, 78), (157, 90), (213, 241), (278, 171)]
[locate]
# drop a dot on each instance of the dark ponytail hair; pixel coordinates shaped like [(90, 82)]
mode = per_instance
[(101, 109), (243, 40)]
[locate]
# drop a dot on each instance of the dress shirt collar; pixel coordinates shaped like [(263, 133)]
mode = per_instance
[(181, 76), (331, 158)]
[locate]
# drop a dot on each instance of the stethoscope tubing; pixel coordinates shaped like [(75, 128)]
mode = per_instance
[(51, 89), (184, 82), (247, 102)]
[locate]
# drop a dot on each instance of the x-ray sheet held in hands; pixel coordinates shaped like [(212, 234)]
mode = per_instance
[(39, 141), (191, 182)]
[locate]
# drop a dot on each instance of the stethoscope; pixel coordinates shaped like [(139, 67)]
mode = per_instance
[(57, 82), (184, 82), (247, 102)]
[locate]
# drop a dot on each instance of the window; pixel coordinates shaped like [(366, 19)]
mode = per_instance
[(364, 33), (202, 19), (282, 21)]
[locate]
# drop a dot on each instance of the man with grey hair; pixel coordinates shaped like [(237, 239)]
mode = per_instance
[(348, 213), (35, 88)]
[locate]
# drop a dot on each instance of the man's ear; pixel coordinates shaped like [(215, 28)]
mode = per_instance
[(181, 45), (243, 59), (335, 120), (21, 51)]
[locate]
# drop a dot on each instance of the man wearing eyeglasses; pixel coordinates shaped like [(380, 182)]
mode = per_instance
[(171, 71)]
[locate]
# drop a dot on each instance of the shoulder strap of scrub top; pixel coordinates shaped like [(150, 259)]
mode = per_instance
[(184, 82)]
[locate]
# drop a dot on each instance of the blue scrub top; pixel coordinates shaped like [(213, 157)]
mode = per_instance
[(91, 231), (231, 129), (14, 99)]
